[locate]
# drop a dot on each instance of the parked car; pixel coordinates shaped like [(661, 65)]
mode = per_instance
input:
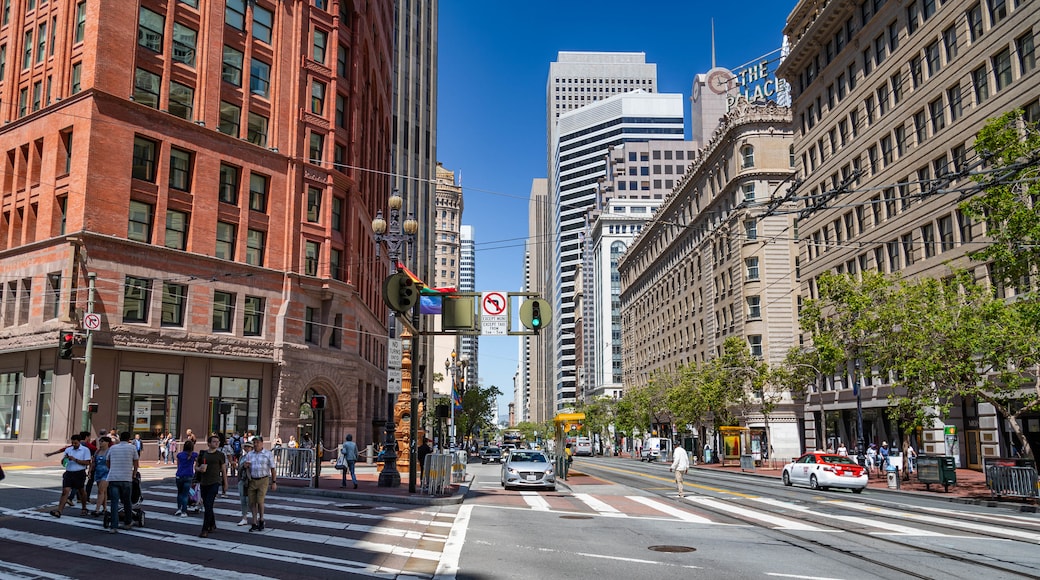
[(491, 455), (527, 468), (821, 470), (583, 446)]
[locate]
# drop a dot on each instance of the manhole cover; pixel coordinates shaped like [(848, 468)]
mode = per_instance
[(673, 549), (575, 517), (348, 506)]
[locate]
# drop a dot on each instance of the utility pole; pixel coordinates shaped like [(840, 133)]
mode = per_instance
[(88, 378)]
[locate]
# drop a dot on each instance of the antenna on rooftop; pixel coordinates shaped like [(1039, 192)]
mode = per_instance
[(712, 43)]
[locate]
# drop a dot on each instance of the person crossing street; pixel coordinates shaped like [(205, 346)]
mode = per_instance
[(680, 465), (262, 475)]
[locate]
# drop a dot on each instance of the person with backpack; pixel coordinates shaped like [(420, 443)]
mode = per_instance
[(236, 445)]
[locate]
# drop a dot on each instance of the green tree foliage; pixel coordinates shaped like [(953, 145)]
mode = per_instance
[(599, 414), (478, 409), (1009, 201)]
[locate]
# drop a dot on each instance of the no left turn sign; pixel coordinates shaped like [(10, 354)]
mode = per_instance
[(493, 303)]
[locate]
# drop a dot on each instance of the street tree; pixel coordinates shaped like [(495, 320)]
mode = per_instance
[(478, 409)]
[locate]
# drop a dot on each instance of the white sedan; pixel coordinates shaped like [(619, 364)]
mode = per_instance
[(821, 470)]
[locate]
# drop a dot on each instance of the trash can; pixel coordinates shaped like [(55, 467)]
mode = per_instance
[(893, 477)]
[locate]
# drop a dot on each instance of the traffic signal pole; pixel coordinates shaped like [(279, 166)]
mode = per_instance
[(88, 377)]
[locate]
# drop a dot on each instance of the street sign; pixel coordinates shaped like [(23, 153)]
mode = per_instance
[(394, 353), (393, 381), (493, 318), (92, 321)]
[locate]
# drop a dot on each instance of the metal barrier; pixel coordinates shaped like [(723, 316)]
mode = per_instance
[(1005, 480), (458, 466), (437, 473), (292, 463)]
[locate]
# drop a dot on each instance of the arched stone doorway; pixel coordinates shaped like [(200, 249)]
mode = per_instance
[(311, 425)]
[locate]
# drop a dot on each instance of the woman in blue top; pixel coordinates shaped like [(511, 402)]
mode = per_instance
[(185, 474), (99, 467)]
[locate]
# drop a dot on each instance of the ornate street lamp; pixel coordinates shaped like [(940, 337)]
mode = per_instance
[(395, 235)]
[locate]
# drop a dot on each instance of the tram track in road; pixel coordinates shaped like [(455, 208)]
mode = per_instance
[(866, 519)]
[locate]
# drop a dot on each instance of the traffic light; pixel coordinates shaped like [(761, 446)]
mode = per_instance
[(318, 402), (66, 338), (400, 292), (92, 407), (535, 314)]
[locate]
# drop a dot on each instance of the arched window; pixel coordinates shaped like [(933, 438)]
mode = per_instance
[(747, 156)]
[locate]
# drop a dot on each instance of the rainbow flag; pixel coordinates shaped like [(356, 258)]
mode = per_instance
[(429, 298)]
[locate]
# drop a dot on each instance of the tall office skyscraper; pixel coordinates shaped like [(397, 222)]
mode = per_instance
[(594, 101), (536, 351), (469, 344)]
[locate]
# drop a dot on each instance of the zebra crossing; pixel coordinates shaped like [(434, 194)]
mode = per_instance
[(304, 536)]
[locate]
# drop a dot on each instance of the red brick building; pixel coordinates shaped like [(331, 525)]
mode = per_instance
[(216, 165)]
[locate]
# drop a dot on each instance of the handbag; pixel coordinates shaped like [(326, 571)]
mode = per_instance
[(341, 464)]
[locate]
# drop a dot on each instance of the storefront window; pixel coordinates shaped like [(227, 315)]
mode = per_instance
[(148, 403), (43, 406), (234, 404), (10, 404)]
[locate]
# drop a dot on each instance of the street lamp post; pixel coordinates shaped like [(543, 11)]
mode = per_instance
[(857, 387), (457, 372), (395, 235)]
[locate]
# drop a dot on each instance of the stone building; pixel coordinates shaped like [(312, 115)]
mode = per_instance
[(217, 166)]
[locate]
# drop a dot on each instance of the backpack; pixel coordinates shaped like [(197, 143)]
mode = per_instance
[(236, 445)]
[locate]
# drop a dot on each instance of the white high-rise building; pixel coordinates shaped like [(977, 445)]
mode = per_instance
[(469, 344), (581, 139)]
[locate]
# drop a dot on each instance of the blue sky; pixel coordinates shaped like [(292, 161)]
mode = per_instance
[(493, 62)]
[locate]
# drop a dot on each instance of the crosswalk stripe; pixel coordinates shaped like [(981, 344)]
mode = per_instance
[(946, 522), (667, 509), (17, 571), (778, 522), (599, 506), (534, 500), (894, 528)]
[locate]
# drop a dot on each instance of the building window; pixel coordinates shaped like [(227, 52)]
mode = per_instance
[(256, 130), (750, 230), (257, 192), (946, 233), (173, 300), (28, 46), (140, 226), (318, 97), (10, 404), (230, 119), (176, 229), (313, 204), (146, 88), (755, 343), (341, 111), (974, 17), (1002, 69), (223, 311), (243, 395), (227, 191), (953, 96), (184, 44), (37, 95), (180, 169), (928, 240), (259, 78), (317, 148), (1023, 47), (920, 127), (337, 214), (150, 27), (935, 108), (754, 307), (81, 21), (913, 14), (336, 264), (253, 316), (310, 326), (3, 61), (144, 159), (263, 23), (342, 62), (43, 405), (747, 156), (149, 403), (980, 80), (182, 101), (751, 268), (897, 88), (225, 247), (235, 14), (192, 3), (997, 11), (950, 43), (964, 224), (916, 71), (931, 53), (41, 43), (336, 332), (75, 83), (136, 296), (255, 244), (312, 252), (321, 43), (231, 69)]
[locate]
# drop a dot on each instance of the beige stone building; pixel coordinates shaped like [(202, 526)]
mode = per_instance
[(887, 98), (709, 267)]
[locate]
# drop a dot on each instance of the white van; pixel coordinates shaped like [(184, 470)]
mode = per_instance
[(656, 449), (583, 446)]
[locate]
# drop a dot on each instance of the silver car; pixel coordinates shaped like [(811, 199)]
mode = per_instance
[(528, 468)]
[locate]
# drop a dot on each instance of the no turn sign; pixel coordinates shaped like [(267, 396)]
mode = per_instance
[(92, 321), (493, 318)]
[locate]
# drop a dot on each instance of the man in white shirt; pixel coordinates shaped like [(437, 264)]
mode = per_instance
[(262, 474), (77, 459), (680, 465)]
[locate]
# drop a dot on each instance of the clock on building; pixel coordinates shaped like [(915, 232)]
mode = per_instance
[(721, 81)]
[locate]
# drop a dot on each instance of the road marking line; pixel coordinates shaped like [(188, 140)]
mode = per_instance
[(946, 522), (598, 506), (778, 575), (671, 480), (778, 522), (536, 501), (672, 511), (448, 566), (12, 570), (894, 528)]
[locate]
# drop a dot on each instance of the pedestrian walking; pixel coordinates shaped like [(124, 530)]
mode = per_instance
[(349, 455), (243, 483), (424, 450), (185, 475), (99, 473), (842, 450), (212, 464), (680, 465), (262, 476), (123, 464), (76, 459)]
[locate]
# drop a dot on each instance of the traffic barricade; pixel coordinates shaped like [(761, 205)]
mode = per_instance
[(437, 469), (1012, 477), (458, 466), (938, 469), (294, 463)]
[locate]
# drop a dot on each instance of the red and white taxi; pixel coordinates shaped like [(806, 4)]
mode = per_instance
[(821, 470)]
